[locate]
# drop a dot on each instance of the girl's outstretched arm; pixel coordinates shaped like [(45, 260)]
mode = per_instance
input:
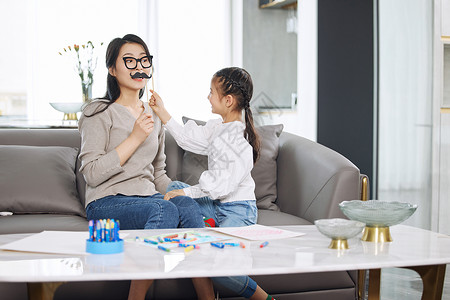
[(157, 105)]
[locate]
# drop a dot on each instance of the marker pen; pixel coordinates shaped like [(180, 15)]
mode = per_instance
[(218, 245), (263, 244), (163, 248)]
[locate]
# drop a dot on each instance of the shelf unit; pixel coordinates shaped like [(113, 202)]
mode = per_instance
[(278, 4)]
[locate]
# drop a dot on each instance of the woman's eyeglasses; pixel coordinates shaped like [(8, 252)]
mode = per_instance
[(131, 62)]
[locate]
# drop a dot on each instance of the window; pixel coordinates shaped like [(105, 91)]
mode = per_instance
[(190, 40)]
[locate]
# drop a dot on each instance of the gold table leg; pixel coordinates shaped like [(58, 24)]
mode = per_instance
[(42, 290), (361, 284), (433, 280), (374, 284)]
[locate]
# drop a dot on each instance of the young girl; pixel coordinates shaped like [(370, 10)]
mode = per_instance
[(225, 191)]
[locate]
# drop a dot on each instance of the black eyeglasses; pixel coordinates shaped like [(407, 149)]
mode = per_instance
[(131, 62)]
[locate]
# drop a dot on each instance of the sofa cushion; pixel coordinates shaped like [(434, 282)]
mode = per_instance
[(264, 171), (39, 180), (35, 223)]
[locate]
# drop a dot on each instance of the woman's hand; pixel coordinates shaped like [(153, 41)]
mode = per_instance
[(143, 127), (141, 130), (157, 105), (173, 194)]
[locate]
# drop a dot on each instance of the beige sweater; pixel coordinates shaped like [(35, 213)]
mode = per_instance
[(142, 174)]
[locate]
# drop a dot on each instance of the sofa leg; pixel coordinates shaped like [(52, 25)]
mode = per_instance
[(42, 290)]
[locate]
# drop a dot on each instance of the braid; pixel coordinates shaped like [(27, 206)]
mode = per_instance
[(250, 134), (238, 82), (241, 89)]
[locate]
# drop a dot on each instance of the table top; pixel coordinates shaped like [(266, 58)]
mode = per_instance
[(308, 253)]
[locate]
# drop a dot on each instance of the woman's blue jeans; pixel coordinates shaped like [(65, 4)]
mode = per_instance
[(240, 213), (135, 212)]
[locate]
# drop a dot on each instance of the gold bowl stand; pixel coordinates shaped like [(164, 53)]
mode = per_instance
[(70, 117), (338, 244), (376, 234)]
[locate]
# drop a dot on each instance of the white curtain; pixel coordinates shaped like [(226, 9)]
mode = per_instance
[(405, 94)]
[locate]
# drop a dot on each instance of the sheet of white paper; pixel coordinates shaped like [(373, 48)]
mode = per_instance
[(59, 242), (258, 232)]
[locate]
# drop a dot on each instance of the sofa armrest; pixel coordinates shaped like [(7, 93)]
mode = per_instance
[(313, 179)]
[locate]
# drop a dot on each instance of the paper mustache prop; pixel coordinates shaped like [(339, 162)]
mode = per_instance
[(145, 76), (140, 75)]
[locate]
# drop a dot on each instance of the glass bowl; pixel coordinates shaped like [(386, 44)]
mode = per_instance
[(377, 213), (339, 229), (67, 107)]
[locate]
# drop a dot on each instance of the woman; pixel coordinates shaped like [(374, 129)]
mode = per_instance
[(122, 148)]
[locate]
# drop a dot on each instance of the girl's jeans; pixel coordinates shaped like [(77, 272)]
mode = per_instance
[(135, 212), (234, 214)]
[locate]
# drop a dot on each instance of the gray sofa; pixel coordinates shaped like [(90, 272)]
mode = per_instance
[(298, 181)]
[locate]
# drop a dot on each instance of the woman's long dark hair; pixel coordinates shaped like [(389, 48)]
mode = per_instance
[(238, 82), (112, 86)]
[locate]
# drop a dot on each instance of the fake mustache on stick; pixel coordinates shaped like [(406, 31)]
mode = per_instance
[(140, 75)]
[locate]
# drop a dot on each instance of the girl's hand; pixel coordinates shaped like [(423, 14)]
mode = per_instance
[(173, 194), (156, 102), (157, 105), (143, 127)]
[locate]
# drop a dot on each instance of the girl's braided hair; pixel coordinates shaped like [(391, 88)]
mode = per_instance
[(238, 82)]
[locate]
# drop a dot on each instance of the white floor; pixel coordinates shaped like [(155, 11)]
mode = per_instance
[(404, 284)]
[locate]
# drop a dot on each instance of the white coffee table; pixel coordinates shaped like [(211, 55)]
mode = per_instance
[(421, 250)]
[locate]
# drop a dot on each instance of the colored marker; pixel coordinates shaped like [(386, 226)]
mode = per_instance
[(242, 245), (91, 230), (171, 236), (163, 248), (117, 227), (232, 244), (151, 242), (179, 240), (160, 239), (102, 231), (113, 231), (98, 236), (218, 245), (263, 244), (190, 248), (107, 232)]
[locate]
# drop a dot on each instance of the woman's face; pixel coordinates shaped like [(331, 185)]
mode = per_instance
[(123, 74)]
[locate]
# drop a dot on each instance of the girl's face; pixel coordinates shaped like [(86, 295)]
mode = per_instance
[(217, 101), (122, 73)]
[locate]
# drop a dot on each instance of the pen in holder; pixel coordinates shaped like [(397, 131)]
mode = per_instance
[(104, 237)]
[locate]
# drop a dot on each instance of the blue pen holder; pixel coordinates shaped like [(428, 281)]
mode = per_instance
[(104, 247)]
